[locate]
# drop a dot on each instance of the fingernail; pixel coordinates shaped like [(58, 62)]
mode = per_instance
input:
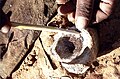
[(81, 22), (61, 1), (5, 29)]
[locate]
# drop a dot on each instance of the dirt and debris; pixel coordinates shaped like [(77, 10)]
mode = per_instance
[(37, 64), (60, 22)]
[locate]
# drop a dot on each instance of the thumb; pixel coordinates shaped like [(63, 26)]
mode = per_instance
[(83, 15)]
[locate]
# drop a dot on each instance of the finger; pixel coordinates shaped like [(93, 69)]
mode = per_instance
[(5, 29), (83, 13), (68, 7), (71, 16), (61, 1), (106, 7), (111, 2), (100, 16)]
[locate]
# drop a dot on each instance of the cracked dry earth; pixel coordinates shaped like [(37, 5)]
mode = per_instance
[(27, 48)]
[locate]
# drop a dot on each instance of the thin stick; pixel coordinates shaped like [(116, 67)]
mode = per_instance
[(42, 28)]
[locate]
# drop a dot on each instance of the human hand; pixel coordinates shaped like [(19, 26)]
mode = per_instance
[(4, 18), (82, 11)]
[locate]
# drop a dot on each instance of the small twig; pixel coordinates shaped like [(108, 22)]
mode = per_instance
[(42, 28)]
